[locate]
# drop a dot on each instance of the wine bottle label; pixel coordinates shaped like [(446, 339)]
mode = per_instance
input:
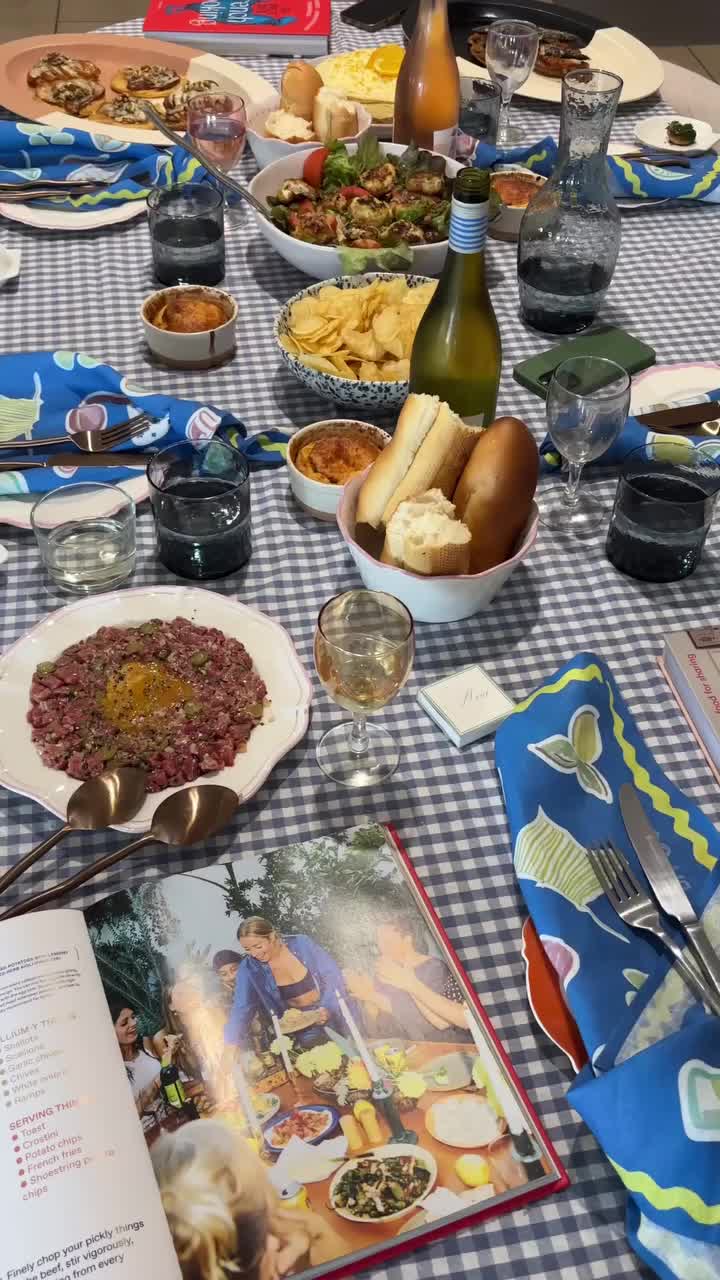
[(468, 226), (443, 140)]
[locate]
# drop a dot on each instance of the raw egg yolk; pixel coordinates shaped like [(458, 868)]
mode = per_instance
[(142, 689)]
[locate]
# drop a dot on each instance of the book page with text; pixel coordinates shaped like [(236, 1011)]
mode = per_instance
[(76, 1183)]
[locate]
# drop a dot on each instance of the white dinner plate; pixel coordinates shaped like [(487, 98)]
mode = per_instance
[(610, 48), (269, 645), (653, 133), (32, 215), (15, 510), (664, 385)]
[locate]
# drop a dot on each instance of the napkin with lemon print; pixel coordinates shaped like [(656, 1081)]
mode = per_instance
[(651, 1094)]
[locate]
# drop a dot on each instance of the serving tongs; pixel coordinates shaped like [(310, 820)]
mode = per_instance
[(192, 150)]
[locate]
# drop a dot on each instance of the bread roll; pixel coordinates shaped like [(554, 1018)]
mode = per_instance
[(300, 84), (416, 419), (495, 492), (438, 462), (333, 117), (424, 537), (281, 124)]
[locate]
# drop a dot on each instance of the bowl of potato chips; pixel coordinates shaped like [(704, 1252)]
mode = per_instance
[(349, 339)]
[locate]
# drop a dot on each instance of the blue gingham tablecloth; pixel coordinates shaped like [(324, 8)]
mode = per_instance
[(82, 291)]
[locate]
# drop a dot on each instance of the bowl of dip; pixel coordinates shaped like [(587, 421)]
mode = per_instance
[(324, 456), (512, 187)]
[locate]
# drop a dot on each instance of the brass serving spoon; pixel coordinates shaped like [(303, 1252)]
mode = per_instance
[(113, 797), (186, 817)]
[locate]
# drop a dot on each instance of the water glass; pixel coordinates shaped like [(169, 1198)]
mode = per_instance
[(364, 648), (510, 54), (663, 510), (200, 497), (86, 537), (188, 234), (479, 114), (217, 123), (587, 406)]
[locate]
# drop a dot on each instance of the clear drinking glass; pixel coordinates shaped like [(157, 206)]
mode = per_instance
[(587, 405), (188, 234), (664, 506), (570, 232), (479, 114), (200, 497), (217, 123), (364, 647), (86, 537), (510, 54)]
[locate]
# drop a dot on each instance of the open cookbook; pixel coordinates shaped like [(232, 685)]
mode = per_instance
[(273, 1066)]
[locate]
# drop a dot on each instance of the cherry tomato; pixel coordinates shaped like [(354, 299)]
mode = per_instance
[(314, 165), (351, 192)]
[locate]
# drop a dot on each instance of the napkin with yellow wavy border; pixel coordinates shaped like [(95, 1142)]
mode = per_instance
[(652, 1092)]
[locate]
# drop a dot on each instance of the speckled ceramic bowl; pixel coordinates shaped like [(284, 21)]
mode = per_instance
[(380, 396)]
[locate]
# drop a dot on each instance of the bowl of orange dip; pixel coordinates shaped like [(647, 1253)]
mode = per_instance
[(512, 187), (324, 456)]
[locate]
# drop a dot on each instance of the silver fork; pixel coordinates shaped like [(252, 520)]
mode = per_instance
[(635, 906), (98, 441)]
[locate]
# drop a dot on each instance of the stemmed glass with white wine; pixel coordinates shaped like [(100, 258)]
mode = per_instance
[(587, 405), (510, 52), (364, 648)]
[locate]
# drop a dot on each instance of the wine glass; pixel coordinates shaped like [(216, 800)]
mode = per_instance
[(587, 405), (364, 647), (217, 123), (510, 53)]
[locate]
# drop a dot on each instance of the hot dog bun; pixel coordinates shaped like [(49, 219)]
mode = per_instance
[(495, 491), (300, 84)]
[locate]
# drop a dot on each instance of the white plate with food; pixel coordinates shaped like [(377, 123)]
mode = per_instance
[(101, 701), (32, 215), (694, 137), (463, 1121), (35, 73), (383, 1185), (311, 1122), (368, 76)]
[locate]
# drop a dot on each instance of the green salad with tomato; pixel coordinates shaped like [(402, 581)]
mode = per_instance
[(365, 199)]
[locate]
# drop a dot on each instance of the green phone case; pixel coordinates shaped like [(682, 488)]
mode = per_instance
[(610, 342)]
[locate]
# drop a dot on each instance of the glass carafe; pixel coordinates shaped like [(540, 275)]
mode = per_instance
[(570, 232)]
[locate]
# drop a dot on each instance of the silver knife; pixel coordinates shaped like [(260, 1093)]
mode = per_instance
[(129, 458), (665, 883)]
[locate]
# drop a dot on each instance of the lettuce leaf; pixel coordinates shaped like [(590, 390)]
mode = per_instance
[(356, 261), (340, 169)]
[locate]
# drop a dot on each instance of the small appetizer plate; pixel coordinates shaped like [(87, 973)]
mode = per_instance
[(653, 133), (9, 264)]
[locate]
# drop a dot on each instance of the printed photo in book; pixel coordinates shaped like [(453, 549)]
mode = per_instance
[(312, 1075)]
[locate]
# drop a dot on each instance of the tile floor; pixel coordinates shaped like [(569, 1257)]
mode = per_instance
[(666, 18)]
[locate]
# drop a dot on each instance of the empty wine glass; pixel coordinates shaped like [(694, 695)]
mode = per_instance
[(587, 405), (510, 53), (364, 647), (217, 123)]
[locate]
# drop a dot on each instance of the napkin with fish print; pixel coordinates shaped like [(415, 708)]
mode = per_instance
[(30, 152), (651, 1093), (627, 177), (45, 393), (635, 436)]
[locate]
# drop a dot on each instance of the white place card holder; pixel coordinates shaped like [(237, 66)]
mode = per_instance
[(466, 705)]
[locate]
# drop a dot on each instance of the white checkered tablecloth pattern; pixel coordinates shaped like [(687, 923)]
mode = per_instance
[(83, 291)]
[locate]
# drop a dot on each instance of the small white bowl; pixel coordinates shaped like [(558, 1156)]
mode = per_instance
[(653, 133), (319, 499), (505, 218), (266, 149), (322, 261), (203, 350), (429, 599)]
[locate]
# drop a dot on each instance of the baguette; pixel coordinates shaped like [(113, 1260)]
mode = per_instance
[(416, 419), (333, 117), (300, 83), (495, 492), (423, 537), (438, 462)]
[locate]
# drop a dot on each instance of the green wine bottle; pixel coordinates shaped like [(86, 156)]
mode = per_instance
[(457, 353)]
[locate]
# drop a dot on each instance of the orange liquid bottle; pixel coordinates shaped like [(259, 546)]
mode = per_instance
[(427, 99)]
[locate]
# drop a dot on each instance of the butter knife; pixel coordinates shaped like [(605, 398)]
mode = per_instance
[(69, 458), (683, 417), (665, 883)]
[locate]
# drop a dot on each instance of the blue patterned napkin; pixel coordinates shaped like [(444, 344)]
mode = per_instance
[(652, 1093), (45, 393), (31, 151), (627, 177), (635, 436)]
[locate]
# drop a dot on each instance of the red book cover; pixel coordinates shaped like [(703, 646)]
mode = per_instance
[(275, 25)]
